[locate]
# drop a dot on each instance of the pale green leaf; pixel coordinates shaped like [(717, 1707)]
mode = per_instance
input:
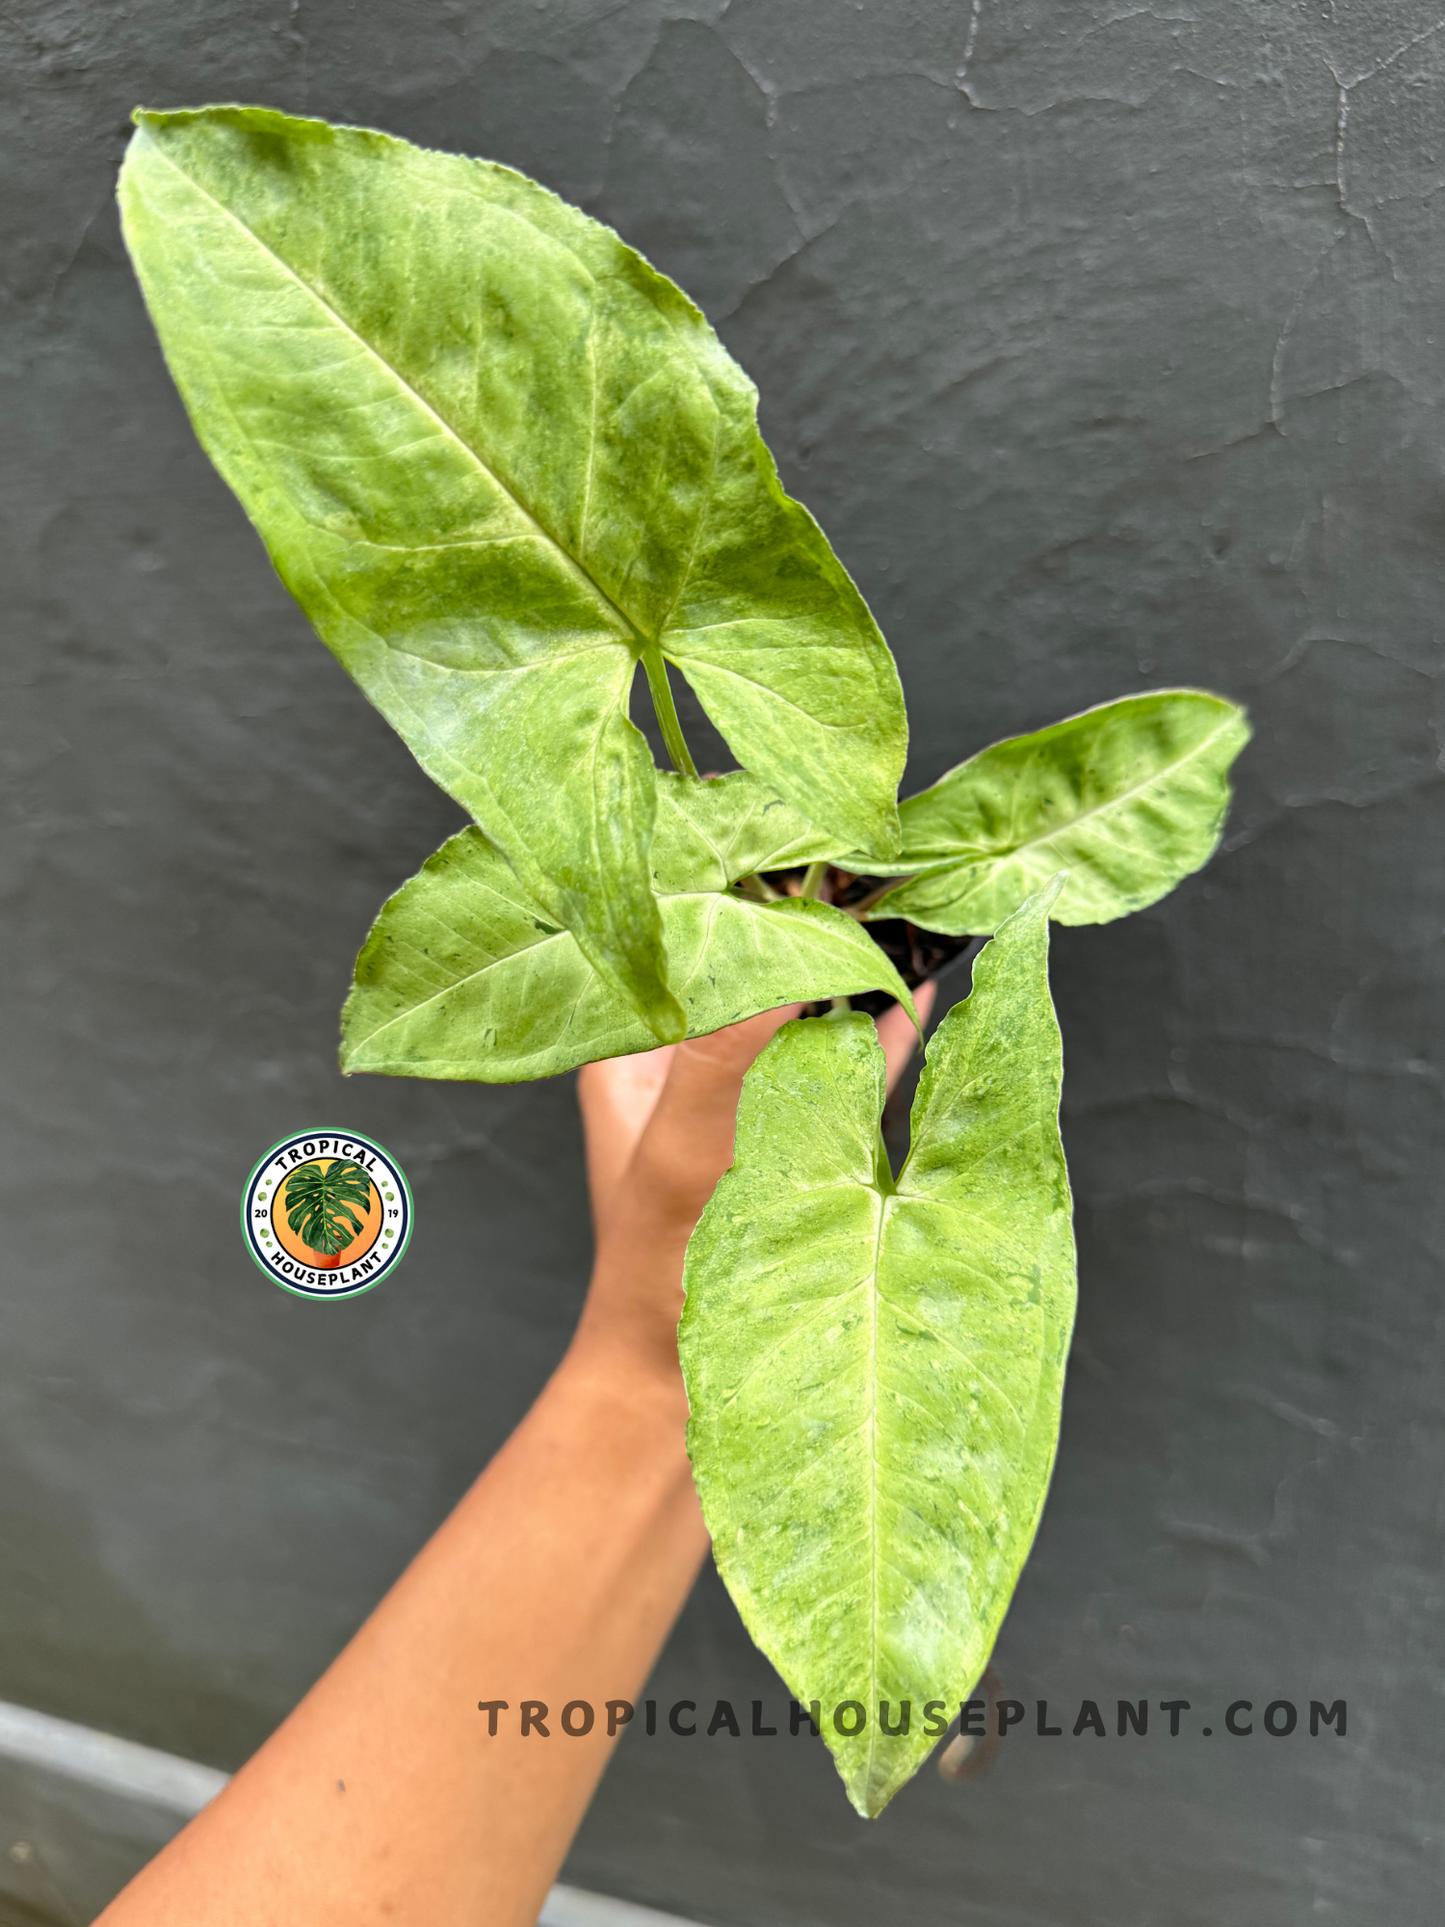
[(875, 1374), (463, 976), (496, 456), (1129, 798), (711, 834)]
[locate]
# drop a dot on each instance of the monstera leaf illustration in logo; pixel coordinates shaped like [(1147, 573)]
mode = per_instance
[(319, 1200)]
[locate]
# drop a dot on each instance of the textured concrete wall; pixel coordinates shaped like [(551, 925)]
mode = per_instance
[(1105, 342)]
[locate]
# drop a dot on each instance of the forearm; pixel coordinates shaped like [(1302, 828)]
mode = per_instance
[(383, 1797)]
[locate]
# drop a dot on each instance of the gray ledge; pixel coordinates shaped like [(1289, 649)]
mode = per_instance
[(82, 1811)]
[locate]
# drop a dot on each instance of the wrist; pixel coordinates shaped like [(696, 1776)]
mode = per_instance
[(627, 1370)]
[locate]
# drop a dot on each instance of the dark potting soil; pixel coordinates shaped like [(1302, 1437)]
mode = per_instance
[(915, 954)]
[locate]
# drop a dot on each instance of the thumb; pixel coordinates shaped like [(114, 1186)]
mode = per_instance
[(688, 1142)]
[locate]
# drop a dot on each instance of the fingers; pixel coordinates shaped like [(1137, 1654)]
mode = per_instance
[(728, 1053), (683, 1098), (616, 1098), (688, 1142), (660, 1130), (656, 1198)]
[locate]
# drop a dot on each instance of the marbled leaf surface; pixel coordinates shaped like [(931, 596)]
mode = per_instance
[(463, 976), (875, 1372), (500, 460), (1128, 798)]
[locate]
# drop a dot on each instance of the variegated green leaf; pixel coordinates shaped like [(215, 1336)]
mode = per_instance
[(500, 461), (875, 1371), (463, 975), (1129, 798)]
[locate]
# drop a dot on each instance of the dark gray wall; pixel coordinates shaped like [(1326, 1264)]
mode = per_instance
[(1105, 342)]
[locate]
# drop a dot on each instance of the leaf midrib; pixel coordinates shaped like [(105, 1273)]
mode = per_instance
[(558, 936), (874, 1295), (966, 852), (455, 434)]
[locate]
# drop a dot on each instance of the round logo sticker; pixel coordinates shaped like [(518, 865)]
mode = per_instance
[(326, 1214)]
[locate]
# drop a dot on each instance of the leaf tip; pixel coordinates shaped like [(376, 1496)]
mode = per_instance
[(1046, 898), (667, 1022), (870, 1790)]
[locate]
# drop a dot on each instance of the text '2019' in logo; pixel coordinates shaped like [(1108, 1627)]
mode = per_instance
[(327, 1214)]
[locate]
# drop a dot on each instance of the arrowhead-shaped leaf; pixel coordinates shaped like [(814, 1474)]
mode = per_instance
[(875, 1373), (463, 976), (497, 458), (1129, 798)]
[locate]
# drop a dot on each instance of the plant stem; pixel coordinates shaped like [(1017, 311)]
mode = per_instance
[(666, 710), (860, 910), (813, 878)]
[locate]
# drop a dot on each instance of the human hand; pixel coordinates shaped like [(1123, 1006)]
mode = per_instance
[(658, 1129)]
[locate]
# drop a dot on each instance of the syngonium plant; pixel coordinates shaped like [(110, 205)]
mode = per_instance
[(503, 464)]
